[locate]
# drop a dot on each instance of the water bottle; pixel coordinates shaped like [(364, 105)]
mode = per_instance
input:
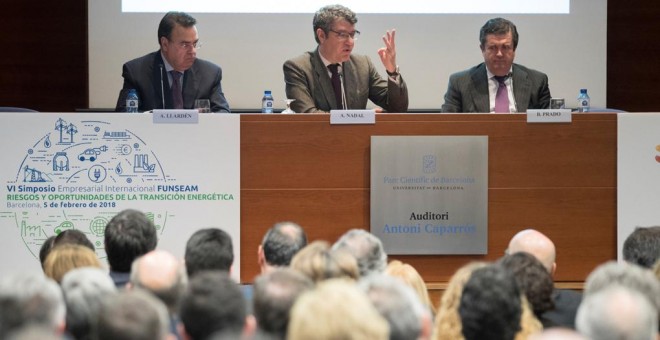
[(267, 102), (132, 101), (584, 102)]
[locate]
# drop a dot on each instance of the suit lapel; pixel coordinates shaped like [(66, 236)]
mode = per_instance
[(480, 89), (190, 86), (325, 83), (350, 84), (160, 83), (521, 87)]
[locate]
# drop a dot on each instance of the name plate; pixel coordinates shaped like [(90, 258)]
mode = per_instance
[(176, 116), (352, 117), (549, 116)]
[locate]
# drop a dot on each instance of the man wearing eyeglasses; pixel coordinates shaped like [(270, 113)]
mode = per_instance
[(497, 85), (173, 77), (330, 77)]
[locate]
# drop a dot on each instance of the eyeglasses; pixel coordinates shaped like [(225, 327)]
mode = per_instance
[(186, 45), (345, 35)]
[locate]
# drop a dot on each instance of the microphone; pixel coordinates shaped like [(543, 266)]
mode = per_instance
[(162, 88), (343, 90)]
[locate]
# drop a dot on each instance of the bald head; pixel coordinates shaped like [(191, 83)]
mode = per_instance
[(160, 273), (534, 242)]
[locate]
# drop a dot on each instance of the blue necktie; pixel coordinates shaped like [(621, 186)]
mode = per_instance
[(177, 96)]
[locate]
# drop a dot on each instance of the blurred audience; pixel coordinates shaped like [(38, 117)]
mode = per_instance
[(209, 249), (642, 246), (318, 262), (66, 257), (85, 290), (336, 309), (366, 248), (409, 275), (280, 243)]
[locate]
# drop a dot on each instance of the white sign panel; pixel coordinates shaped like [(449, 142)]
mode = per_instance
[(429, 194), (638, 172), (77, 170)]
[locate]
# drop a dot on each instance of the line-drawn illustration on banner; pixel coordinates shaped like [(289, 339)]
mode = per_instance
[(76, 171)]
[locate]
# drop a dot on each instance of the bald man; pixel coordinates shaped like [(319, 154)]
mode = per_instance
[(566, 301), (163, 275)]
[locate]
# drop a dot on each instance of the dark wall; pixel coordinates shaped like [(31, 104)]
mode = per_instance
[(44, 55), (44, 62), (633, 55)]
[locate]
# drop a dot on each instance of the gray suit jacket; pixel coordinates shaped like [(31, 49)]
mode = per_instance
[(468, 90), (308, 82), (200, 81)]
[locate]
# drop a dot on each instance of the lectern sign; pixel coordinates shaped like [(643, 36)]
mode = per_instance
[(429, 194)]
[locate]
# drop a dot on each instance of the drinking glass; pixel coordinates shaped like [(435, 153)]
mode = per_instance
[(203, 105), (288, 106)]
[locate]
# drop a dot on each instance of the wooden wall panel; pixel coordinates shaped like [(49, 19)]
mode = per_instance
[(558, 178)]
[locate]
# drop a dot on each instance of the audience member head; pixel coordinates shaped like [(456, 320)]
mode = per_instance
[(85, 291), (627, 275), (128, 235), (30, 298), (616, 313), (69, 236), (275, 292), (490, 306), (534, 242), (35, 332), (132, 315), (212, 303), (399, 305), (45, 250), (175, 30), (280, 244), (656, 269), (325, 313), (209, 249), (161, 274), (318, 262), (366, 248), (498, 40), (533, 278), (642, 246), (409, 275), (448, 321), (64, 258), (73, 236), (558, 333)]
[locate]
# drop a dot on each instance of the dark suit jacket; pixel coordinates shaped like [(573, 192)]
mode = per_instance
[(308, 82), (468, 90), (200, 81), (563, 315)]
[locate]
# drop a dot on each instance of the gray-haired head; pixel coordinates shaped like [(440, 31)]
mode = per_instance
[(626, 275), (326, 16), (366, 248), (85, 290), (616, 313), (133, 314), (29, 297), (398, 304), (642, 246)]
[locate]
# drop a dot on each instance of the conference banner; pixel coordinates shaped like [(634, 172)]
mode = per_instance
[(65, 171), (429, 194), (638, 173)]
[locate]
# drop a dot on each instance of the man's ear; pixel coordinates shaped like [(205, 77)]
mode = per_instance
[(321, 35)]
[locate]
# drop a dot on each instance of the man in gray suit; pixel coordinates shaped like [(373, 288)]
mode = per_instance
[(476, 89), (173, 77), (330, 77)]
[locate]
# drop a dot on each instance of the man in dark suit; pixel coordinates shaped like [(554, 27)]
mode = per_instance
[(173, 77), (476, 89), (330, 77), (566, 301)]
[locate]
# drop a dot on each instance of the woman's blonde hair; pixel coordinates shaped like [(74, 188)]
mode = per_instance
[(63, 258), (409, 275)]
